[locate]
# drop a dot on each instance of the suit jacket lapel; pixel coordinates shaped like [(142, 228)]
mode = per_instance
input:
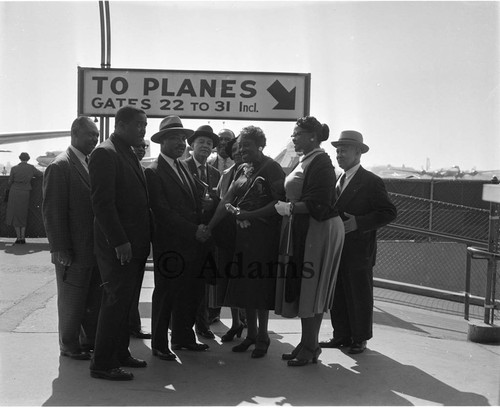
[(167, 173), (190, 179), (200, 189), (84, 174), (352, 189), (191, 165), (132, 160)]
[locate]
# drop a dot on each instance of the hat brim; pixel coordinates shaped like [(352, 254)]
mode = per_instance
[(364, 148), (213, 136), (156, 138)]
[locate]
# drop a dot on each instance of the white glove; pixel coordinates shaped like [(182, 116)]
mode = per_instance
[(283, 208)]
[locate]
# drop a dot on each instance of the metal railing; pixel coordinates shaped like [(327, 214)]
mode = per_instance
[(426, 252)]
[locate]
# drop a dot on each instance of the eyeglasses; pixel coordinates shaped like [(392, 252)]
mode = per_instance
[(301, 133)]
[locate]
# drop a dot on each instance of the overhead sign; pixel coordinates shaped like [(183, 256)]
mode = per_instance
[(194, 94)]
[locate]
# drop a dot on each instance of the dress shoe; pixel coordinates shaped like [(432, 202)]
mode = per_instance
[(229, 336), (335, 343), (76, 355), (243, 346), (261, 347), (133, 362), (113, 374), (164, 355), (300, 361), (191, 347), (140, 335), (208, 334), (357, 347), (293, 354)]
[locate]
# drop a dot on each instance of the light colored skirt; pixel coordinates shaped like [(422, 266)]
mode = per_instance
[(17, 208), (323, 249)]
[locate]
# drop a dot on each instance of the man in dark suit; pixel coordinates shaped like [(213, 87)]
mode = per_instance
[(134, 320), (178, 249), (122, 239), (207, 178), (364, 205), (68, 218)]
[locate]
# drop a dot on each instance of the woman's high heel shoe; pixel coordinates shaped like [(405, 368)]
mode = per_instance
[(261, 348), (299, 362), (229, 336), (293, 354), (243, 346)]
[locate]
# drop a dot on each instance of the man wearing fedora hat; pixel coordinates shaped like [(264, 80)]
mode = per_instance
[(364, 205), (178, 243), (207, 177)]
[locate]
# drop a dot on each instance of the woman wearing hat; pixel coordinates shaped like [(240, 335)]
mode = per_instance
[(19, 195), (312, 239), (249, 202)]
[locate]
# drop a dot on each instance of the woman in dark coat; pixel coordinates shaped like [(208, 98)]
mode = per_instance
[(19, 195), (312, 239), (257, 186)]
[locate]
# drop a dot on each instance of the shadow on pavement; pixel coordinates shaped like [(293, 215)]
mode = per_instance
[(23, 249), (387, 319), (220, 377)]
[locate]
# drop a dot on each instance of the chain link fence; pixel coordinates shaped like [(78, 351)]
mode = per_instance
[(426, 247)]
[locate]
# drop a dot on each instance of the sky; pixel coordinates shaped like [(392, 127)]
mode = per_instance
[(418, 79)]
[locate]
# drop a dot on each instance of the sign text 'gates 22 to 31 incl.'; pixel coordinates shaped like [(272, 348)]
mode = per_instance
[(194, 94)]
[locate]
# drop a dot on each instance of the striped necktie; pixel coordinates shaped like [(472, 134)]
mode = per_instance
[(181, 174), (340, 185), (203, 173)]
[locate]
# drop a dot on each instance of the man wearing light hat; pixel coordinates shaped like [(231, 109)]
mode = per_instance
[(364, 205), (178, 243)]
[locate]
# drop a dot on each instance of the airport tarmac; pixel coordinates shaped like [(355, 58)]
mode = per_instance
[(416, 357)]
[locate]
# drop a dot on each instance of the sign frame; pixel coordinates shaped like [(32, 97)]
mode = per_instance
[(268, 116)]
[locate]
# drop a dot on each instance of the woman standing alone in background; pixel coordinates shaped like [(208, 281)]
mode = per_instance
[(19, 195)]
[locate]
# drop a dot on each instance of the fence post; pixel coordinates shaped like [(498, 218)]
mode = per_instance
[(489, 299), (431, 207)]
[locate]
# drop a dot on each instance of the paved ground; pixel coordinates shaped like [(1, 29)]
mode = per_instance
[(417, 357)]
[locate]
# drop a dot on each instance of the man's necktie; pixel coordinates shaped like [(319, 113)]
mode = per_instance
[(224, 164), (183, 177), (87, 159), (181, 174), (340, 185), (203, 173)]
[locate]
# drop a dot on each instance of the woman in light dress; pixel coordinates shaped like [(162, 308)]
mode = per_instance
[(311, 241)]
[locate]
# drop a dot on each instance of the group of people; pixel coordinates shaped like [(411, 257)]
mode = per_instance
[(236, 233)]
